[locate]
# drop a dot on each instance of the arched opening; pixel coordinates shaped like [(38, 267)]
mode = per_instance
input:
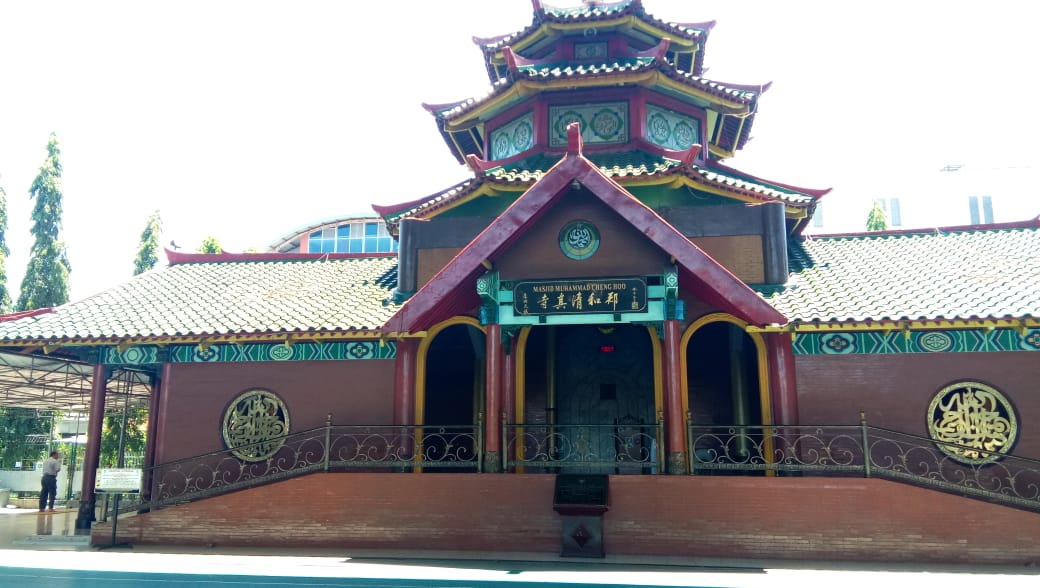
[(451, 389), (726, 396), (454, 376)]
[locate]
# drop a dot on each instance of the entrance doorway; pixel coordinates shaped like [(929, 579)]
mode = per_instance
[(593, 387)]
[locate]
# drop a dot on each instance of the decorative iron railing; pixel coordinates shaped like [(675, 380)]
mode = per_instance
[(863, 451), (329, 448), (617, 448)]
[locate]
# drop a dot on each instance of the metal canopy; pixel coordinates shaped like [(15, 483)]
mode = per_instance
[(48, 383)]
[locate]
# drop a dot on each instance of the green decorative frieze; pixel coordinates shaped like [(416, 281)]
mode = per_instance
[(516, 136), (671, 130), (601, 123), (251, 352), (889, 342), (141, 355)]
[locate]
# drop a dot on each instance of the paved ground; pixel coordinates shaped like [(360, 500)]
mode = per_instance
[(44, 550)]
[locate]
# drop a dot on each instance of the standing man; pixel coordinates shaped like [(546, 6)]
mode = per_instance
[(49, 482)]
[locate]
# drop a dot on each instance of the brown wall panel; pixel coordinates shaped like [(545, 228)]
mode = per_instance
[(623, 250), (355, 392), (740, 254), (432, 260), (895, 390), (799, 519)]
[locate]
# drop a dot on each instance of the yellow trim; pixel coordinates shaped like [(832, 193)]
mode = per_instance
[(524, 88), (520, 391), (492, 190), (1029, 323), (614, 24), (765, 398)]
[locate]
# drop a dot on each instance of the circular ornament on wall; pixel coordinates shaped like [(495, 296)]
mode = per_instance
[(255, 425), (579, 239), (972, 422), (660, 130)]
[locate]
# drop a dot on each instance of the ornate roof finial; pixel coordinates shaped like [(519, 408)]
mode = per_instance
[(574, 141)]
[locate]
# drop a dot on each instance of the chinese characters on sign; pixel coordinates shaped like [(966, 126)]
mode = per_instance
[(579, 296)]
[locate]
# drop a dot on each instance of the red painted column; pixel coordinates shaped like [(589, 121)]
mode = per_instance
[(92, 455), (783, 384), (493, 400), (674, 423), (509, 382), (404, 382), (508, 391), (149, 447)]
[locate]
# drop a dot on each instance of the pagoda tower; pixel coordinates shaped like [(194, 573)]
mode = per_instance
[(648, 117)]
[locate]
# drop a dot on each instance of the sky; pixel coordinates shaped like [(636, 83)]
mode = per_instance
[(246, 120)]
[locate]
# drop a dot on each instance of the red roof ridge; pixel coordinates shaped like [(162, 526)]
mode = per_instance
[(13, 316), (817, 192), (1033, 223), (390, 209), (177, 258)]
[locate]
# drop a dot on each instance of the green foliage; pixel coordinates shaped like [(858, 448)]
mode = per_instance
[(210, 245), (148, 250), (134, 442), (16, 426), (5, 295), (46, 281), (877, 220)]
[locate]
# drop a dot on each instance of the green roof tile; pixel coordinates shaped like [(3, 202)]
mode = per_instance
[(962, 274), (227, 297)]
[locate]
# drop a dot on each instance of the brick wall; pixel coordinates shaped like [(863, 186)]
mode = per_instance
[(731, 517)]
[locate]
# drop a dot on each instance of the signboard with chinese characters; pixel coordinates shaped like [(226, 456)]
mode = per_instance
[(551, 297)]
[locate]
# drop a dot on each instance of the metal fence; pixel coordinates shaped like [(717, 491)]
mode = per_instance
[(330, 448), (862, 451), (620, 448)]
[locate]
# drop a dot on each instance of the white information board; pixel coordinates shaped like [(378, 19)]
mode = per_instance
[(118, 480)]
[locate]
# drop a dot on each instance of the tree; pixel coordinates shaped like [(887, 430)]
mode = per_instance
[(134, 440), (5, 296), (24, 435), (877, 220), (210, 245), (148, 250), (46, 281)]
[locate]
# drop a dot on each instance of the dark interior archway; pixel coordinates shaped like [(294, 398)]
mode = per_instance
[(454, 376), (723, 392)]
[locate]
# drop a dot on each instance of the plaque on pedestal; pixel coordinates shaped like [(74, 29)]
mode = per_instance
[(581, 500)]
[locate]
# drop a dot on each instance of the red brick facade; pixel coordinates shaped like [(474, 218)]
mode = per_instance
[(687, 516)]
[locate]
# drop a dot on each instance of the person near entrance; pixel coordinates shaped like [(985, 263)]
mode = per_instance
[(49, 481)]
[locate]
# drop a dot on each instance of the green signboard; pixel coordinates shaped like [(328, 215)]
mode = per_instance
[(550, 297)]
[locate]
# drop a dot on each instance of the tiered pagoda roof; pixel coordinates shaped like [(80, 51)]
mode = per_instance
[(616, 56)]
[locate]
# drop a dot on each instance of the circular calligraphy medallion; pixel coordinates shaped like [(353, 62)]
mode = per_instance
[(659, 128), (564, 120), (579, 240), (255, 425), (501, 146), (683, 135), (522, 136), (972, 423), (606, 124)]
